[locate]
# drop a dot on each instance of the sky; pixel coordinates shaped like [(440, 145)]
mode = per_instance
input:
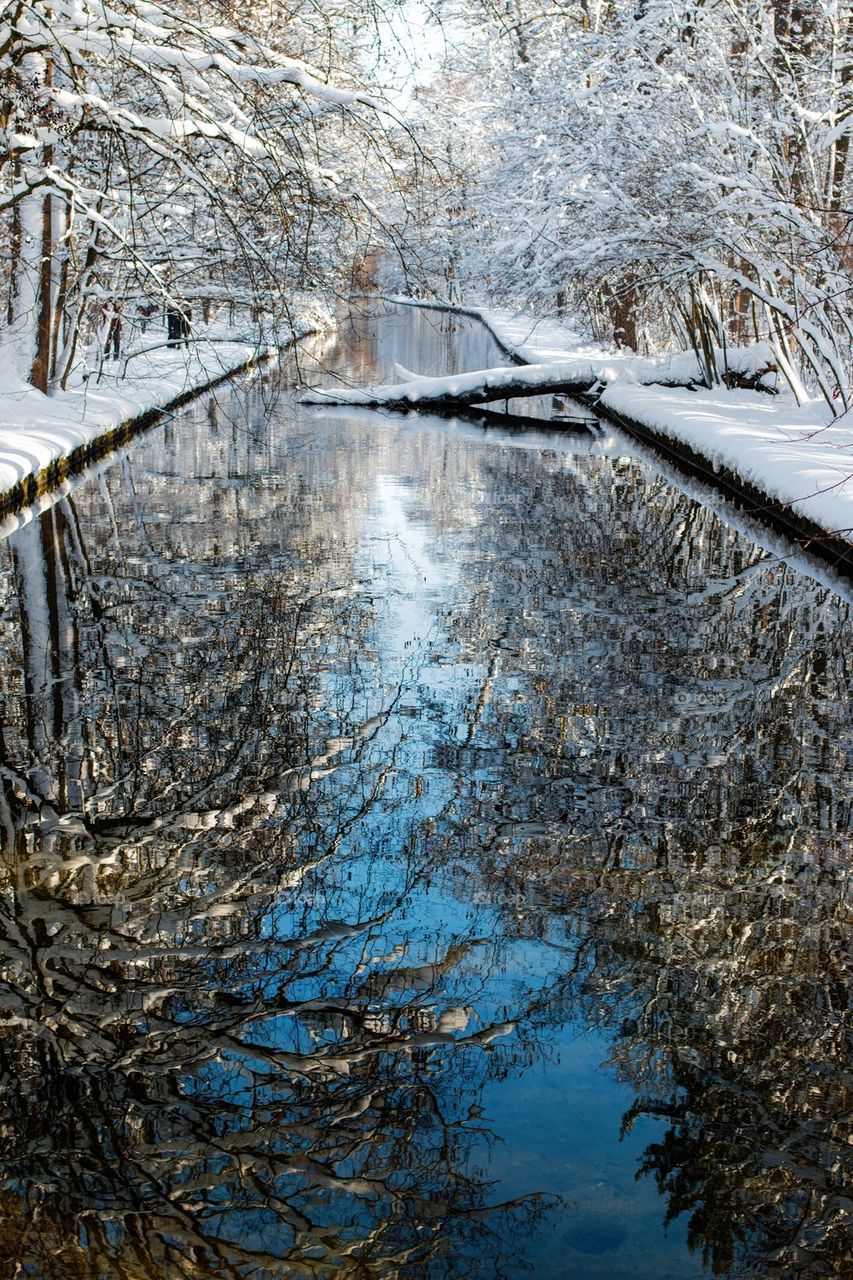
[(412, 50)]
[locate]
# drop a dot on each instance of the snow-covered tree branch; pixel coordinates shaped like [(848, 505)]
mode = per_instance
[(678, 173), (151, 154)]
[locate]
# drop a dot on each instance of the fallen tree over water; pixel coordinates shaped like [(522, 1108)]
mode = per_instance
[(456, 393), (573, 375), (720, 456)]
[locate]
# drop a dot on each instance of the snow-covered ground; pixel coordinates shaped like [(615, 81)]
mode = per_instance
[(37, 430), (797, 454)]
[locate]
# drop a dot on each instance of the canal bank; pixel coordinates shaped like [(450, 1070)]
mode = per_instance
[(46, 439), (786, 466)]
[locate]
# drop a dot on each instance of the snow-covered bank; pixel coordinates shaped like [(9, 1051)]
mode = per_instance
[(797, 455), (43, 437), (788, 452)]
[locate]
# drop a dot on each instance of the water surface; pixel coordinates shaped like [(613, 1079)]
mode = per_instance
[(425, 854)]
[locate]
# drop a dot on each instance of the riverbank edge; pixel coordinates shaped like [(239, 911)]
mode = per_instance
[(38, 483), (810, 537)]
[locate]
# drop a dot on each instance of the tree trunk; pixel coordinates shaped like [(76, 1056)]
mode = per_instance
[(14, 248), (840, 150), (65, 358), (622, 307), (40, 371), (795, 25)]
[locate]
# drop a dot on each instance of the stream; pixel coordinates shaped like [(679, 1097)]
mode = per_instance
[(426, 854)]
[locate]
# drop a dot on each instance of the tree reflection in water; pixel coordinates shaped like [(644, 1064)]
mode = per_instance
[(697, 746), (285, 898), (205, 1067)]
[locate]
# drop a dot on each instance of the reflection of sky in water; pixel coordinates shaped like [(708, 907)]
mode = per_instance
[(397, 557), (557, 1127)]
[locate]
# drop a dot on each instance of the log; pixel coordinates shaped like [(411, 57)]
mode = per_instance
[(455, 393), (458, 392), (574, 375)]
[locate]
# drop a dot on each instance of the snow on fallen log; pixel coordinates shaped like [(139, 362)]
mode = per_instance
[(571, 375), (461, 390)]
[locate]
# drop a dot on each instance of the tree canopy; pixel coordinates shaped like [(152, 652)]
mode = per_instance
[(676, 172), (166, 152)]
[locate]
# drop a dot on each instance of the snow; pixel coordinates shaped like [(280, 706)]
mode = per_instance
[(580, 370), (789, 452), (583, 368), (37, 430), (798, 455)]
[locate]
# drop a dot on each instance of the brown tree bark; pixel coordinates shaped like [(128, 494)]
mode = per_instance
[(40, 372)]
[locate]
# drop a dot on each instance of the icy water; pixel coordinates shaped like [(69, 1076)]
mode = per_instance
[(425, 855)]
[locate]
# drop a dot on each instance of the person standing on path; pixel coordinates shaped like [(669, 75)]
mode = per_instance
[(178, 325), (173, 327), (112, 312)]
